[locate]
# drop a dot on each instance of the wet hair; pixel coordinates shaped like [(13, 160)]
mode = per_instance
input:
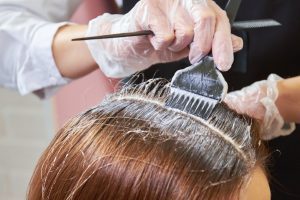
[(133, 147)]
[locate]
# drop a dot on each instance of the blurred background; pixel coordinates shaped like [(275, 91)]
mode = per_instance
[(26, 127), (28, 124)]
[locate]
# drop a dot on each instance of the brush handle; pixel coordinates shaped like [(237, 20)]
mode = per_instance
[(231, 9), (116, 35)]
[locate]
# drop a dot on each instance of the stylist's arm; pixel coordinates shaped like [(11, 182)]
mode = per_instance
[(181, 28)]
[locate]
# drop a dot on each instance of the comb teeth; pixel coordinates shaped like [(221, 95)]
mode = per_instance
[(196, 105)]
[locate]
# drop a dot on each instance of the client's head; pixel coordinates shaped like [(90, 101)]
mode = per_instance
[(133, 147)]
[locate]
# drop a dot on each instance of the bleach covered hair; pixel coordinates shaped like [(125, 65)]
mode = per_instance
[(133, 147)]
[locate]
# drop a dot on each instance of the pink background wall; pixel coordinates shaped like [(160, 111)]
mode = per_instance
[(89, 90)]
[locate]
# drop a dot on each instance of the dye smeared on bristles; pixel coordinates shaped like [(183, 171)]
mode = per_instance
[(197, 89), (193, 104)]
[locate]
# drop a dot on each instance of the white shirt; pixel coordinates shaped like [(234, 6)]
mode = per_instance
[(27, 28)]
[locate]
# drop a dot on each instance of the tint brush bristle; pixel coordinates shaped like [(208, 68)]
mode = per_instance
[(197, 105)]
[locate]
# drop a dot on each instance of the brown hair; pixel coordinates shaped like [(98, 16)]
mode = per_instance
[(132, 147)]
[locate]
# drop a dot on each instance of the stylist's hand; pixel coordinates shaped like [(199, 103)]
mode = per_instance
[(259, 101), (181, 28)]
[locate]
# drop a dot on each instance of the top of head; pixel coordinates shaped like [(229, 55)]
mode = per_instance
[(133, 147)]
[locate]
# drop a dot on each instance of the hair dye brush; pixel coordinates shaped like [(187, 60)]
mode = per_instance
[(199, 88)]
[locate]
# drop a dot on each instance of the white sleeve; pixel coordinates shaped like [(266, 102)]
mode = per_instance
[(26, 60)]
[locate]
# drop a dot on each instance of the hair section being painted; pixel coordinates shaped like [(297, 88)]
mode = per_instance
[(133, 147)]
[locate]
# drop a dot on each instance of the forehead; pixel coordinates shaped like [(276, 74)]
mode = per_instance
[(257, 187)]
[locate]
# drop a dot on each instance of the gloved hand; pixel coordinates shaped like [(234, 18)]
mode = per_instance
[(258, 101), (181, 28)]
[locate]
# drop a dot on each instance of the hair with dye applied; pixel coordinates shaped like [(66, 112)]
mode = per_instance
[(133, 147)]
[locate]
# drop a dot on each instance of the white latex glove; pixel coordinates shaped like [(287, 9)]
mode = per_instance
[(181, 28), (258, 101)]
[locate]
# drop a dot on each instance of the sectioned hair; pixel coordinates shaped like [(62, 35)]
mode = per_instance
[(132, 147)]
